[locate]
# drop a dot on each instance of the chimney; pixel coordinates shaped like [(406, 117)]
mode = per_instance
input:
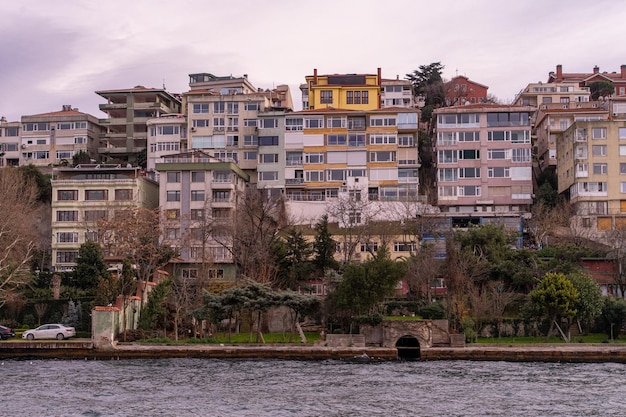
[(314, 76), (379, 77), (67, 107), (596, 69), (623, 72), (559, 73)]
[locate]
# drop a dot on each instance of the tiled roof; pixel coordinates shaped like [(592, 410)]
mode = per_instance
[(61, 113)]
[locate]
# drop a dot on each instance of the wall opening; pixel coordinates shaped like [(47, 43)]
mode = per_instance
[(408, 348)]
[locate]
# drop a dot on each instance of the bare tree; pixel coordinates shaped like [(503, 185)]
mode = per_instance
[(545, 220), (18, 238)]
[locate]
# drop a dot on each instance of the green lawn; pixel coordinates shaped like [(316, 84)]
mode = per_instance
[(591, 338)]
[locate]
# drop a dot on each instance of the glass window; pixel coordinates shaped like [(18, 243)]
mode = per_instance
[(197, 195), (67, 215), (173, 195), (268, 175), (66, 195), (600, 150), (598, 133), (96, 195), (326, 96), (173, 176), (124, 194)]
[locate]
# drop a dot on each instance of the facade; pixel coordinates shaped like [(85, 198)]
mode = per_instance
[(83, 195), (592, 174), (460, 90), (223, 117), (563, 93), (484, 163), (397, 93), (198, 194), (584, 79), (166, 135), (125, 129), (10, 133), (53, 138), (342, 91)]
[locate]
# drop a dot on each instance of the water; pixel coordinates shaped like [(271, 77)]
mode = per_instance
[(210, 387)]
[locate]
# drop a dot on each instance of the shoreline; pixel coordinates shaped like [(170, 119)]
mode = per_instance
[(74, 349)]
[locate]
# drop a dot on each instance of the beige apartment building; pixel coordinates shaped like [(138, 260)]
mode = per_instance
[(198, 195), (10, 142), (53, 138), (484, 163), (83, 195)]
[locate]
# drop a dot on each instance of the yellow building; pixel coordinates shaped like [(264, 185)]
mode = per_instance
[(342, 91)]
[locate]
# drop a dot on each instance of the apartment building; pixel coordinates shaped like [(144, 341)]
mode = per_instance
[(198, 196), (166, 135), (551, 120), (585, 79), (460, 90), (484, 163), (9, 142), (86, 193), (342, 91), (592, 174), (397, 93), (53, 138), (128, 110), (223, 117)]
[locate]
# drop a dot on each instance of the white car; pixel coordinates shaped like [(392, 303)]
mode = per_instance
[(50, 331)]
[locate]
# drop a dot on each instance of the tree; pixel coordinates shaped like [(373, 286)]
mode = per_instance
[(599, 89), (90, 266), (81, 157), (555, 298), (293, 256), (613, 316), (154, 311), (422, 269), (324, 246), (353, 212), (428, 83), (18, 237), (589, 304)]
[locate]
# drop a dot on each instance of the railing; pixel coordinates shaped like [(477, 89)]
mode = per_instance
[(294, 181)]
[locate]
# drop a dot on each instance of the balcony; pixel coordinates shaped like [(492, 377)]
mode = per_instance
[(294, 181)]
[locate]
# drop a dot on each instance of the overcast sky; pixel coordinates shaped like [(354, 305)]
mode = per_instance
[(60, 52)]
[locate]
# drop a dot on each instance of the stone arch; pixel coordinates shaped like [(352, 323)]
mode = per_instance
[(408, 347), (421, 330)]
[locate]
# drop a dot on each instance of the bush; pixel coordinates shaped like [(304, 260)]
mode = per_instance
[(434, 311), (28, 321)]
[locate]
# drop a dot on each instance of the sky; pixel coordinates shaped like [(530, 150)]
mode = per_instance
[(60, 52)]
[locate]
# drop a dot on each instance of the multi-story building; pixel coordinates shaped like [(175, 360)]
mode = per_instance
[(128, 110), (585, 79), (9, 142), (342, 91), (484, 163), (592, 174), (397, 93), (368, 156), (166, 135), (563, 93), (460, 90), (83, 195), (53, 138), (198, 193), (223, 117), (551, 120)]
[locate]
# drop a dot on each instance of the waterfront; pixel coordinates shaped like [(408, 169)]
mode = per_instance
[(214, 387)]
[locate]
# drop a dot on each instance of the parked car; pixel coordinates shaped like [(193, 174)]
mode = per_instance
[(5, 333), (50, 331)]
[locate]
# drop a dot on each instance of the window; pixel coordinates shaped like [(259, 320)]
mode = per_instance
[(173, 195), (353, 97), (173, 214), (221, 196), (173, 176), (313, 176), (197, 214), (91, 236), (356, 123), (365, 97), (469, 191), (219, 123), (382, 156), (249, 156), (448, 174), (520, 136), (31, 127), (268, 175), (168, 130), (598, 133), (620, 131), (382, 139), (499, 172), (520, 155), (96, 195), (200, 108), (294, 124), (250, 122), (125, 194), (268, 140), (250, 140), (197, 195), (197, 176), (369, 246), (314, 158), (406, 140), (469, 172), (326, 96), (335, 122), (201, 123), (67, 237), (336, 140), (314, 123), (356, 139), (448, 156), (469, 154), (232, 107), (189, 273), (67, 195), (9, 147), (64, 154), (12, 131), (497, 154), (218, 107), (269, 123), (336, 175), (293, 159), (251, 106), (497, 136), (65, 257), (404, 246), (382, 121), (268, 158), (599, 150), (600, 168), (95, 215), (172, 233), (447, 191)]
